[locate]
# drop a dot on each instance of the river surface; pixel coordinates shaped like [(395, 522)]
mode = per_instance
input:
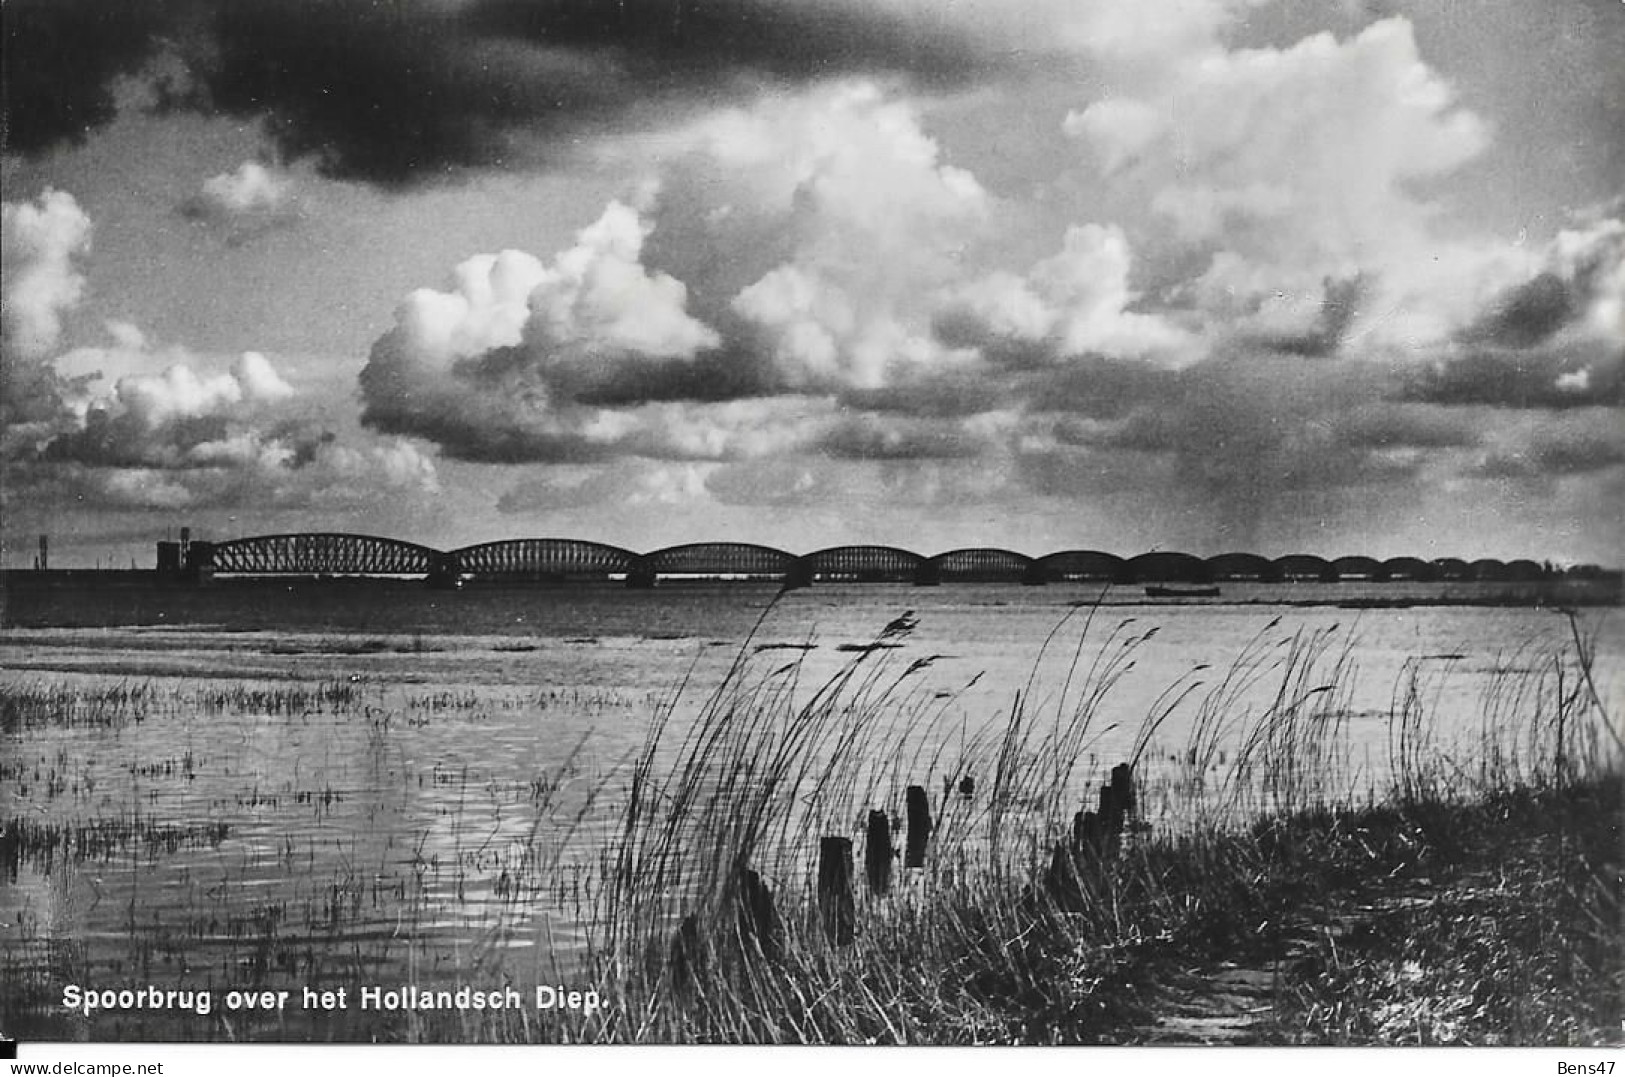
[(305, 785)]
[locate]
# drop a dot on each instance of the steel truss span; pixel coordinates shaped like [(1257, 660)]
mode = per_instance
[(863, 564), (324, 553), (983, 565), (718, 559), (540, 559), (545, 558)]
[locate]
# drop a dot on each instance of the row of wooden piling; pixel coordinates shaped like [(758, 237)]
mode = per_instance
[(1076, 864)]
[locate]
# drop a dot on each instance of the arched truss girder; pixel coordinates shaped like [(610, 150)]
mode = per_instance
[(542, 558), (1452, 568), (323, 553), (1241, 566), (879, 564), (1069, 565), (982, 564), (1408, 568), (717, 559), (1168, 566), (1303, 566), (1357, 568)]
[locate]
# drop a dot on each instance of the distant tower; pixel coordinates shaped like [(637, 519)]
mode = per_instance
[(44, 553)]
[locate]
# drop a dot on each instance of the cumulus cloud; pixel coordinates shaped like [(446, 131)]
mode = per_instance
[(1554, 339), (1295, 171), (506, 364), (868, 220), (1070, 304), (191, 436), (41, 240), (176, 418), (594, 353), (1579, 286), (244, 204), (135, 423)]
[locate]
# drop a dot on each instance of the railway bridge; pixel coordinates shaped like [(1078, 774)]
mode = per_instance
[(544, 560)]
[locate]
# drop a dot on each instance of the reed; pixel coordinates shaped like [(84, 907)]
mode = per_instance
[(1267, 860)]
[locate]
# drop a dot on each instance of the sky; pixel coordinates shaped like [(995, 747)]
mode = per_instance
[(1128, 275)]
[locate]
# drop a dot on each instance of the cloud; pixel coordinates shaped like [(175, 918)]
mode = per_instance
[(1296, 171), (508, 364), (1582, 443), (41, 239), (178, 418), (874, 437), (244, 473), (865, 220), (136, 424), (410, 91), (1552, 378), (593, 353), (244, 204), (1071, 304), (1554, 339), (62, 58), (39, 242)]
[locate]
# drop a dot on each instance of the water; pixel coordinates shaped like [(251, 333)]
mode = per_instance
[(317, 786)]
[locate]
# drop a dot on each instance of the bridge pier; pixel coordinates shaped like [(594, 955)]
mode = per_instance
[(443, 573)]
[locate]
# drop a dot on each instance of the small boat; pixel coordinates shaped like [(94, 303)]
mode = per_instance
[(1157, 591)]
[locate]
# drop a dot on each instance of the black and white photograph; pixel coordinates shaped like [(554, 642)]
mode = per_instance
[(900, 523)]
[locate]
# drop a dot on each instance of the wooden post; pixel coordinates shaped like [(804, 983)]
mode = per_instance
[(685, 951), (1096, 838), (919, 827), (758, 919), (836, 910), (878, 852), (1111, 820), (1061, 880), (1123, 783)]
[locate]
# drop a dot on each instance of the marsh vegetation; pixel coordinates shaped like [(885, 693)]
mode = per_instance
[(1296, 869)]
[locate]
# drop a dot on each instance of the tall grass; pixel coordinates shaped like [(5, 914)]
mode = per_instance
[(1244, 832)]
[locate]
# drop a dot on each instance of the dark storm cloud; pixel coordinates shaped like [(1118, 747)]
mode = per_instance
[(1590, 442), (111, 439), (1097, 387), (1528, 314), (61, 58), (402, 92), (1238, 436), (1406, 426), (726, 373), (947, 395), (1551, 378), (676, 42)]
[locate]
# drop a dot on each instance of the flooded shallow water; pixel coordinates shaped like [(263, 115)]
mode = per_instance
[(319, 786)]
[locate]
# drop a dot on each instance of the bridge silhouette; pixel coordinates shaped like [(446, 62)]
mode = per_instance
[(561, 560)]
